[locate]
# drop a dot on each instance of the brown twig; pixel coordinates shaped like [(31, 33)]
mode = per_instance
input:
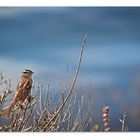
[(73, 82), (123, 122)]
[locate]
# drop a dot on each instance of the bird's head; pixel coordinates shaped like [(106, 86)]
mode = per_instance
[(28, 72)]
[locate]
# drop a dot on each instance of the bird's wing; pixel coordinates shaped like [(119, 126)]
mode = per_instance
[(21, 86)]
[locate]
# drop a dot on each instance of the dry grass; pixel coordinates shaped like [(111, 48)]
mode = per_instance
[(55, 113), (48, 110)]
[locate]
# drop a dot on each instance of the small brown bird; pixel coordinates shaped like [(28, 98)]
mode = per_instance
[(22, 92)]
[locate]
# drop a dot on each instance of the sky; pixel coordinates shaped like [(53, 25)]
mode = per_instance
[(47, 41)]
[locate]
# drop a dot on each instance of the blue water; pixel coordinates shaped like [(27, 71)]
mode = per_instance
[(47, 40)]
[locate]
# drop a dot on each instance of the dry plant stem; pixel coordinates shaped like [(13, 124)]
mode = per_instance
[(27, 129), (15, 121), (40, 96), (24, 115), (73, 82), (84, 127), (70, 107), (52, 100), (47, 96), (86, 120), (76, 123), (37, 101), (69, 123), (69, 111), (25, 122), (32, 99), (123, 122), (5, 94)]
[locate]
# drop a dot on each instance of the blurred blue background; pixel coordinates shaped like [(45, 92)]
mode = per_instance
[(47, 40)]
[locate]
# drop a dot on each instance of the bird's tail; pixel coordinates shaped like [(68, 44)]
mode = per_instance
[(7, 112)]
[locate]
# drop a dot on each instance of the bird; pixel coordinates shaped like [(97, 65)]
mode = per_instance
[(23, 90)]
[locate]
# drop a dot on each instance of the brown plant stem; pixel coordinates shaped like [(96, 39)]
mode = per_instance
[(73, 82)]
